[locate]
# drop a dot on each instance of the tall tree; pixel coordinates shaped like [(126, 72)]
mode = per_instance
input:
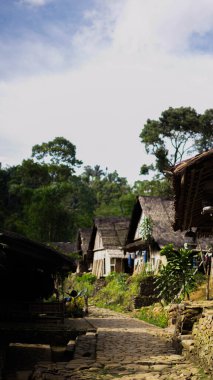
[(59, 153), (204, 141), (177, 132)]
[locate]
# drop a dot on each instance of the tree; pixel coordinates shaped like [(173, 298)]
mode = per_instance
[(113, 194), (204, 141), (55, 211), (155, 187), (58, 152), (177, 132)]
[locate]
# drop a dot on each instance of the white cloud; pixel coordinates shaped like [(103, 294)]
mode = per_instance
[(102, 104), (36, 3)]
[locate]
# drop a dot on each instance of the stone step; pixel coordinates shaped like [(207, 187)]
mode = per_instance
[(188, 344), (187, 337)]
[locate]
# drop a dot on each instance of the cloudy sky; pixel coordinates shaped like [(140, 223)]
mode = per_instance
[(93, 71)]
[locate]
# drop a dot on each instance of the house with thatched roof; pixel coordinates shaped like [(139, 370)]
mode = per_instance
[(107, 245), (193, 187), (150, 229), (84, 264)]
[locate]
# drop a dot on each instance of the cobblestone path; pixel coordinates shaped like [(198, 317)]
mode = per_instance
[(123, 348)]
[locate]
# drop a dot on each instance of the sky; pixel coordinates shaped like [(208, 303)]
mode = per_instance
[(94, 71)]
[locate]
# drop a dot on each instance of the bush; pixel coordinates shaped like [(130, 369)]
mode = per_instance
[(176, 279), (120, 291), (113, 294)]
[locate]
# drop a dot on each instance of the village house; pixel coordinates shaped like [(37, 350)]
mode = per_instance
[(193, 187), (107, 245), (155, 214)]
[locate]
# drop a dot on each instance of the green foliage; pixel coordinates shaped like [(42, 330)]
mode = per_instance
[(113, 294), (146, 228), (205, 137), (45, 208), (57, 152), (84, 284), (113, 194), (119, 292), (178, 131), (155, 187), (177, 276), (156, 315)]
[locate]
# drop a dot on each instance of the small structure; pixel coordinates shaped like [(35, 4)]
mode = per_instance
[(28, 273), (159, 214), (106, 245)]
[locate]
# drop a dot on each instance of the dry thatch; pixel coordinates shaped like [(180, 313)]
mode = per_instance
[(83, 239), (193, 186), (161, 212), (64, 247), (112, 230)]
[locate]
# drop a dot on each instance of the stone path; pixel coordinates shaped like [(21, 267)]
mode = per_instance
[(123, 348)]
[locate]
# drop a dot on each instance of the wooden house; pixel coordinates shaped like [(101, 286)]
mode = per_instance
[(107, 245), (159, 212), (193, 187)]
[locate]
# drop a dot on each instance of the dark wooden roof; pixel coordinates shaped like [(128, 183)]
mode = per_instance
[(161, 211), (113, 231), (19, 248), (193, 187), (28, 268)]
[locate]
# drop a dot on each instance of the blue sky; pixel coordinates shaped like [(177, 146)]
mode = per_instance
[(94, 71)]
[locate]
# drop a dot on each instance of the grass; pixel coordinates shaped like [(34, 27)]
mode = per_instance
[(155, 315), (118, 295)]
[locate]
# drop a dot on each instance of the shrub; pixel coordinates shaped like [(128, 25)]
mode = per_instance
[(176, 279)]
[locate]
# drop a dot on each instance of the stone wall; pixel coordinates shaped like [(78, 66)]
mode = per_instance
[(192, 326), (203, 340), (148, 294)]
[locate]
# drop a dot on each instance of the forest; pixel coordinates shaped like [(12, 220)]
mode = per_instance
[(44, 199)]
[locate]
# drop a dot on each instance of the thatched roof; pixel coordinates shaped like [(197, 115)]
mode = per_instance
[(83, 239), (28, 268), (161, 212), (112, 230), (64, 247), (193, 186), (18, 247)]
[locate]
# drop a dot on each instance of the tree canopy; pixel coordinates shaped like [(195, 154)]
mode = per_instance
[(45, 200), (59, 151), (177, 132)]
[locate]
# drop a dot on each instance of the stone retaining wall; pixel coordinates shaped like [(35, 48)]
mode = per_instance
[(203, 340), (193, 331)]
